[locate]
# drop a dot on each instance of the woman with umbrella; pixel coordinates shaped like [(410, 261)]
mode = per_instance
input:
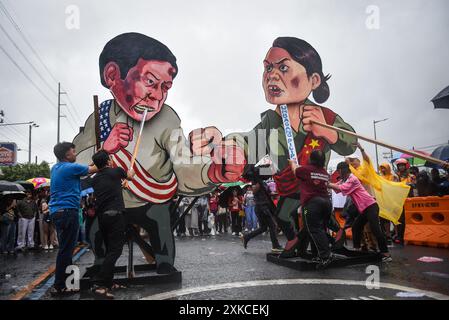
[(7, 225), (9, 192)]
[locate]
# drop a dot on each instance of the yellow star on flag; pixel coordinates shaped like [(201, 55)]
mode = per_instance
[(314, 144)]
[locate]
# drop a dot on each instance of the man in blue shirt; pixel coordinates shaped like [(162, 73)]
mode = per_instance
[(64, 206)]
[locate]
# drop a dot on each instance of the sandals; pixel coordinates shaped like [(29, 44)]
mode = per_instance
[(55, 292), (117, 286), (102, 293)]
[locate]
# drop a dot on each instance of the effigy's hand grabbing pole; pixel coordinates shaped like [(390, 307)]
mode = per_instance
[(442, 163)]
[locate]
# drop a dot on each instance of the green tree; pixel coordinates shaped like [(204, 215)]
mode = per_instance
[(26, 171)]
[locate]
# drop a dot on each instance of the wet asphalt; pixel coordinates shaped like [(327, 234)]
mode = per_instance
[(219, 268)]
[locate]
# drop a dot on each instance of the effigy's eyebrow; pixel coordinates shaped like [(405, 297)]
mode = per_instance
[(282, 60), (149, 72)]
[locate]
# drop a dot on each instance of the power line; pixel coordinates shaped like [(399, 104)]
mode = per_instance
[(19, 30), (24, 138), (26, 76), (70, 124), (74, 108), (26, 59), (21, 33)]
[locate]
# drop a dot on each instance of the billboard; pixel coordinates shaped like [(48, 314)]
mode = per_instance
[(8, 154)]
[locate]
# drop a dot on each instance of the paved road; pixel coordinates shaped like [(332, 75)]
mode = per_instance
[(219, 268)]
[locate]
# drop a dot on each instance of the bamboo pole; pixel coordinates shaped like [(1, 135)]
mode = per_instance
[(442, 163), (139, 138), (136, 146)]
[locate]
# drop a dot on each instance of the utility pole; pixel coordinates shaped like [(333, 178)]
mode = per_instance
[(59, 111), (29, 145), (29, 141)]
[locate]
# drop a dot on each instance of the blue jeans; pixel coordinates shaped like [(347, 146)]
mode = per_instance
[(251, 219), (67, 227), (82, 233), (7, 237)]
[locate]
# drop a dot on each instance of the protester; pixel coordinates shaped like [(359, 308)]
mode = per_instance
[(366, 205), (203, 215), (444, 186), (316, 204), (222, 219), (82, 222), (264, 210), (191, 218), (213, 207), (387, 173), (435, 176), (27, 211), (425, 186), (235, 205), (194, 219), (107, 185), (181, 227), (405, 176), (250, 206), (64, 205), (7, 226), (49, 239)]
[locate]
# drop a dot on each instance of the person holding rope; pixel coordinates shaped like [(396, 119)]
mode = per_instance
[(366, 205)]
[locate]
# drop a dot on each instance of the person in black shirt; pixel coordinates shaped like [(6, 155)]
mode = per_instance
[(107, 185), (264, 209)]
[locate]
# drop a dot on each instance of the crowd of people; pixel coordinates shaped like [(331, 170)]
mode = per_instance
[(209, 215), (25, 225), (43, 222)]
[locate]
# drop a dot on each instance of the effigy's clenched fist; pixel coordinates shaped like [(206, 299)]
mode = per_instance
[(120, 136), (203, 140), (228, 163)]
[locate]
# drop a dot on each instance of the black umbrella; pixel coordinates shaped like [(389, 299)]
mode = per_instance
[(441, 100), (17, 195), (10, 186), (26, 184), (442, 153), (223, 199), (86, 183)]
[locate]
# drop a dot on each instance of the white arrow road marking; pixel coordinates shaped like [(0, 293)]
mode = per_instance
[(258, 283)]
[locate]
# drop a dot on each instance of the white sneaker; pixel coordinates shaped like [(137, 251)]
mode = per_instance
[(46, 247), (234, 234), (51, 247)]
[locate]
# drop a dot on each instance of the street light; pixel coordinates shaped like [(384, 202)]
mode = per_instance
[(32, 124), (375, 138), (29, 141)]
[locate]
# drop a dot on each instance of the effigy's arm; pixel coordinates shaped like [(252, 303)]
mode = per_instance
[(346, 144), (85, 142), (191, 171)]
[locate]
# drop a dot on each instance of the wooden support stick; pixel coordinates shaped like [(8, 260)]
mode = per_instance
[(97, 123), (442, 163)]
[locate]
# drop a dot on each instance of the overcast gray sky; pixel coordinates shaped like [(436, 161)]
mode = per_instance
[(387, 72)]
